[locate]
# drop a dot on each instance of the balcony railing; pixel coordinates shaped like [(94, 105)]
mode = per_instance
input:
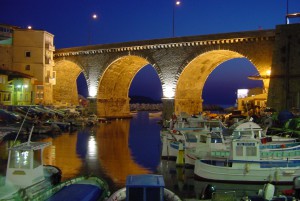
[(50, 47)]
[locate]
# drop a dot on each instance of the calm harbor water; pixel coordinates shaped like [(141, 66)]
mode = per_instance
[(120, 148)]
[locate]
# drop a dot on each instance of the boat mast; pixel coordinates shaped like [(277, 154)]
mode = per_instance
[(22, 127)]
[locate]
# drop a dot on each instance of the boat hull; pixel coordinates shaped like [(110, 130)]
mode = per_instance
[(245, 173), (80, 189)]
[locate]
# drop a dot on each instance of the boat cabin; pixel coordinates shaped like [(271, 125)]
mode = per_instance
[(247, 129), (145, 187), (25, 164)]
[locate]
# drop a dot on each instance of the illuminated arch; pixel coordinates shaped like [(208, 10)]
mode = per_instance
[(115, 84), (188, 96), (65, 90)]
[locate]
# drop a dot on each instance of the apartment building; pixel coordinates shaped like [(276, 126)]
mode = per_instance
[(26, 66)]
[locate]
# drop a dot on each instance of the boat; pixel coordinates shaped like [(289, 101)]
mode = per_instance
[(249, 129), (199, 144), (144, 187), (187, 136), (83, 188), (25, 173), (206, 143), (244, 163), (268, 193)]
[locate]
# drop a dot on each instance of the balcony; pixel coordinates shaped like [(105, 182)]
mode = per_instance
[(50, 80), (49, 61), (50, 47)]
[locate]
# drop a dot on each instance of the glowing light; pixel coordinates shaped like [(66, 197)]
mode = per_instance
[(268, 72), (29, 27), (19, 86), (25, 86), (94, 16), (242, 93), (169, 92), (92, 147), (92, 91), (177, 3)]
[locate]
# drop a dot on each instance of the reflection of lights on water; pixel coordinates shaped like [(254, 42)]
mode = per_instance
[(92, 151)]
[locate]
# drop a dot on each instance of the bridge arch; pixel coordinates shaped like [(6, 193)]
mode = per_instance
[(190, 83), (65, 91), (114, 85)]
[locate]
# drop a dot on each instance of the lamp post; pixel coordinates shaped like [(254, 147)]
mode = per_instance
[(287, 12), (176, 3), (94, 17)]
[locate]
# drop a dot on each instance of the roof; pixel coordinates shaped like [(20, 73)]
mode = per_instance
[(14, 74), (145, 180), (26, 146)]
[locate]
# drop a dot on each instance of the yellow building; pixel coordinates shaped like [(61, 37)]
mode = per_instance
[(26, 58), (251, 100)]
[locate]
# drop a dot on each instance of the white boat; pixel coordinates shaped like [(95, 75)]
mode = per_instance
[(25, 173), (244, 164), (144, 187), (206, 143), (242, 130), (171, 139), (249, 129)]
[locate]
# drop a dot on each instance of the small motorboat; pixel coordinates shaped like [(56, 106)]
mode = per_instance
[(144, 187), (84, 188), (25, 173)]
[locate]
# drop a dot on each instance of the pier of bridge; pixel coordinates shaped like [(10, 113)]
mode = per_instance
[(182, 64)]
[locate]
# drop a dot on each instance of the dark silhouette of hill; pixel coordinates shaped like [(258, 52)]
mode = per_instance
[(143, 99)]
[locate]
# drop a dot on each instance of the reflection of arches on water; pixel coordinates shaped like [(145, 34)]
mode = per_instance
[(114, 153)]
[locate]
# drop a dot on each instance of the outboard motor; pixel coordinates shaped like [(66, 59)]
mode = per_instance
[(207, 191), (296, 186)]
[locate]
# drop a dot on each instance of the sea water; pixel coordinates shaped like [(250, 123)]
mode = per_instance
[(117, 148)]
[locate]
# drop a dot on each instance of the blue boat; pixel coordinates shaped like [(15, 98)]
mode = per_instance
[(82, 188), (144, 187)]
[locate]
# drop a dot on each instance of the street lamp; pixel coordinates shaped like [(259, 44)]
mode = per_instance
[(94, 17), (176, 3)]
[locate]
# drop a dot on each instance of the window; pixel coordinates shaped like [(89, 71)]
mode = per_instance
[(20, 159), (40, 87), (239, 150), (6, 97), (27, 67), (27, 54), (251, 151)]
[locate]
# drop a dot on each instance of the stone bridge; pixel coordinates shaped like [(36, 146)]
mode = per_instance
[(182, 64)]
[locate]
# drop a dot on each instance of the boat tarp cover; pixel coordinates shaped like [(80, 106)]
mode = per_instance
[(76, 192)]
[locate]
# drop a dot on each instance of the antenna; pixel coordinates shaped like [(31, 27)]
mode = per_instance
[(21, 126), (29, 138)]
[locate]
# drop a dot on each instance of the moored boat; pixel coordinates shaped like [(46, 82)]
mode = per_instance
[(244, 164), (83, 188), (25, 173), (146, 187)]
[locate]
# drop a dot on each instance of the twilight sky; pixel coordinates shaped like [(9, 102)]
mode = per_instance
[(119, 21)]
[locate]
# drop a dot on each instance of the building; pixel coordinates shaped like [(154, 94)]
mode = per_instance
[(251, 100), (26, 66)]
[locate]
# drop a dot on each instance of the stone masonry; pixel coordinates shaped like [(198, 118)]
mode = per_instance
[(182, 64)]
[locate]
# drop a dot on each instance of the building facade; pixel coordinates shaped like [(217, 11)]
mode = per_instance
[(26, 66)]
